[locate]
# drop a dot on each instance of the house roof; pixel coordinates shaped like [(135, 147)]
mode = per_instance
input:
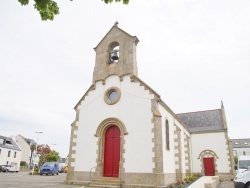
[(9, 143), (241, 143), (29, 141), (210, 120)]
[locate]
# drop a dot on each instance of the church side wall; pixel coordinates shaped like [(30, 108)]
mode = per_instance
[(133, 109), (217, 145), (176, 159), (168, 154)]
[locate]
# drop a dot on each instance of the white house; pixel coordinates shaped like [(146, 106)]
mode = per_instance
[(25, 145), (10, 152), (241, 146), (126, 135)]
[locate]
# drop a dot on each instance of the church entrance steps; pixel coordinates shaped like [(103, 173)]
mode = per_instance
[(106, 182)]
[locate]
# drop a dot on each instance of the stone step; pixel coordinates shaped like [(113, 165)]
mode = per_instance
[(102, 186), (106, 182)]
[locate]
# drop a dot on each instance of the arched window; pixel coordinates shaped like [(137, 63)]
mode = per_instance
[(8, 153), (167, 135)]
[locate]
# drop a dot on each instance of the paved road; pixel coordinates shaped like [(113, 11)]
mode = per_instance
[(23, 180), (226, 184)]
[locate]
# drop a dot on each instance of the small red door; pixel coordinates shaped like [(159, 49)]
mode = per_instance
[(112, 152), (209, 166)]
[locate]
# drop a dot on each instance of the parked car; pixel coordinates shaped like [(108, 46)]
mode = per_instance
[(49, 168), (243, 163), (5, 168), (13, 168), (242, 179), (9, 168)]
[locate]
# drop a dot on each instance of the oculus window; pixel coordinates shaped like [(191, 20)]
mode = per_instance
[(112, 95)]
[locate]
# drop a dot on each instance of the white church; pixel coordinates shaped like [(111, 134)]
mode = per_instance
[(124, 135)]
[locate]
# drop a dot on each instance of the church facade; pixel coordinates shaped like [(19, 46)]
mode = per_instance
[(125, 135)]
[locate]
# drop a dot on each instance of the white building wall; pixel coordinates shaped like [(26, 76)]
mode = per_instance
[(217, 144), (241, 151), (25, 149), (11, 159), (133, 109), (168, 155), (182, 142)]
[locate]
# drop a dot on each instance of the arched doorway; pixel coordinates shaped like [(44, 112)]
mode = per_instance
[(208, 163), (112, 152), (208, 160)]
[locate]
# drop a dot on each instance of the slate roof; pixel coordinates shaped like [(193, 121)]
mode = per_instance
[(29, 141), (12, 146), (241, 143), (210, 120)]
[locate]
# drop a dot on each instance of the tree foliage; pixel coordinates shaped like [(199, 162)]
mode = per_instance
[(48, 8), (23, 163), (53, 156), (111, 1), (46, 154), (43, 151), (236, 159)]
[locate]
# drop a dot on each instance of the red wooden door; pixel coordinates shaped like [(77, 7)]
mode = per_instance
[(209, 166), (112, 152)]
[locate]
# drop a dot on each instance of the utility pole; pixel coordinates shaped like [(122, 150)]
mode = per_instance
[(38, 133)]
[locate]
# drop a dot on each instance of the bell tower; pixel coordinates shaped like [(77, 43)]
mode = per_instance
[(115, 54)]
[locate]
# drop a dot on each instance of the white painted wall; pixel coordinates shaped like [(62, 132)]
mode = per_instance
[(210, 141), (241, 151), (11, 160), (25, 148), (168, 155), (133, 109)]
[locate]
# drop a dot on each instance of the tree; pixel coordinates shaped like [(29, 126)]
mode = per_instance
[(43, 151), (53, 156), (236, 160), (49, 8), (32, 149), (46, 154)]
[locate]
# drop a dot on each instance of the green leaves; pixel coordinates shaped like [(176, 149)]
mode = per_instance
[(111, 1), (47, 9), (24, 2)]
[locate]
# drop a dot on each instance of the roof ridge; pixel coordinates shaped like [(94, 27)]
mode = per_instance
[(198, 111)]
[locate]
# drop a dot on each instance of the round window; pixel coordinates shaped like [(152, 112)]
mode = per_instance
[(112, 95)]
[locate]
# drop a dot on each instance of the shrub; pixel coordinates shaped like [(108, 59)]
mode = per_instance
[(23, 163)]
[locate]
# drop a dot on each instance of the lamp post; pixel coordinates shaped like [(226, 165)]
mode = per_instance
[(38, 133), (53, 146)]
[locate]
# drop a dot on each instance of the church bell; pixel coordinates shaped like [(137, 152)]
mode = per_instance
[(114, 55)]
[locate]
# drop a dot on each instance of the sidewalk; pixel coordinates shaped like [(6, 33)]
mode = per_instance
[(205, 179)]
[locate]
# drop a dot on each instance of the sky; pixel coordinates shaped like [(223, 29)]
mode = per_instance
[(195, 54)]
